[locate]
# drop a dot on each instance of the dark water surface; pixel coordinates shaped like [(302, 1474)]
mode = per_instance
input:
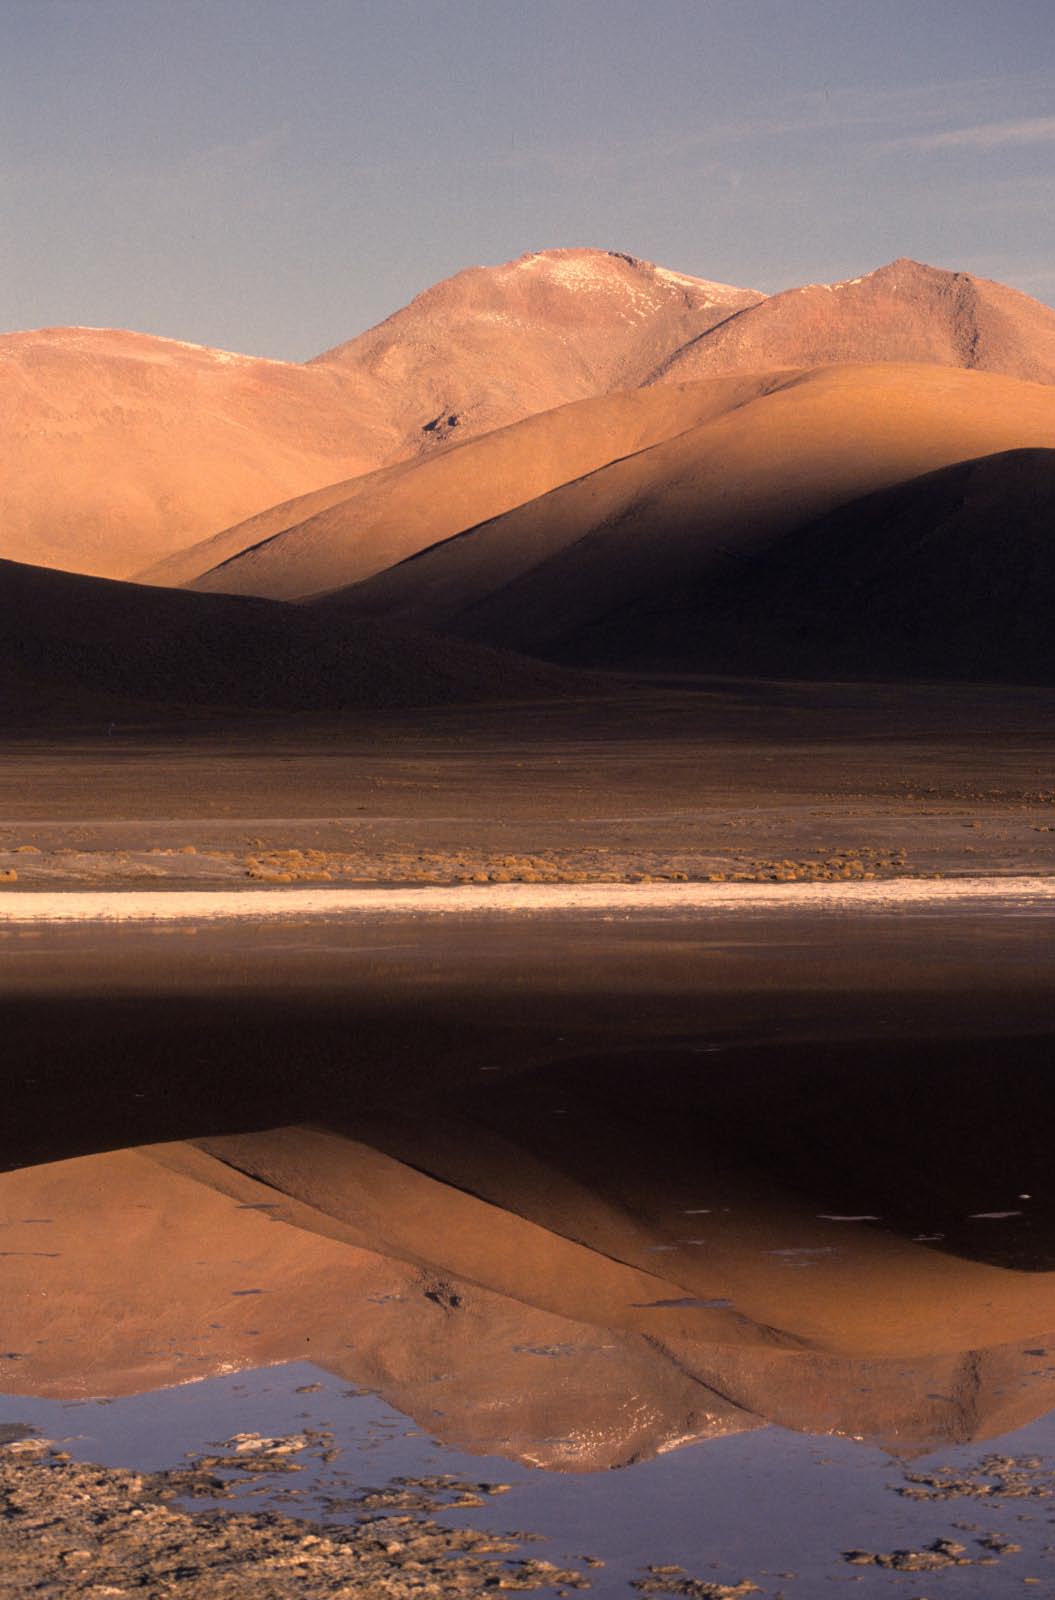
[(699, 1231), (766, 1505)]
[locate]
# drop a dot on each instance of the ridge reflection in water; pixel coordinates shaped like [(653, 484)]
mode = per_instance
[(575, 1271)]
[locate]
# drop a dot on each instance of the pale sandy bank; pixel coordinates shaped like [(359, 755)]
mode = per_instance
[(915, 894)]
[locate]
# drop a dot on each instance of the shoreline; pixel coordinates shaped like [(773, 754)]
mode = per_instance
[(1021, 894)]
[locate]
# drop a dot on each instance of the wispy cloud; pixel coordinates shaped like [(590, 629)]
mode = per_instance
[(987, 135), (919, 105), (832, 111), (910, 117)]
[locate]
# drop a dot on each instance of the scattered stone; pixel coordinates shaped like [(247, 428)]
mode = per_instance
[(90, 1532), (675, 1580), (16, 1432), (933, 1558), (1003, 1477), (999, 1545)]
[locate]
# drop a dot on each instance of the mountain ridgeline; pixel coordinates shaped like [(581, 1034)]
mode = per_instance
[(578, 456)]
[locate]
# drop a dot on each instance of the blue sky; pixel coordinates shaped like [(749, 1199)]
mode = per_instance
[(274, 177)]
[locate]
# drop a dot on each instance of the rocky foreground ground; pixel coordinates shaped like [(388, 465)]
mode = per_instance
[(70, 1529), (73, 1529)]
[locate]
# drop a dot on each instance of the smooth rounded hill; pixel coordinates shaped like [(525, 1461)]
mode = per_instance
[(905, 311), (345, 533), (591, 571), (494, 344), (951, 575), (119, 448), (90, 647)]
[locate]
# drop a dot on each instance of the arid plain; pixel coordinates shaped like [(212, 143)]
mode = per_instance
[(581, 573)]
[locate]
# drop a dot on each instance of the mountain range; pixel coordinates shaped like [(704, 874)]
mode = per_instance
[(577, 455)]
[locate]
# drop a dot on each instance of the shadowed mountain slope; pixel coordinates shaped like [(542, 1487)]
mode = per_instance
[(345, 533), (90, 646), (951, 575), (905, 311), (578, 573)]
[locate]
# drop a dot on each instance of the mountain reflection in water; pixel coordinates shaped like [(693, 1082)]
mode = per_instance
[(575, 1270)]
